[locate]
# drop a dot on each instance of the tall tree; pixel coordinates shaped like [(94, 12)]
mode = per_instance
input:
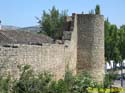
[(97, 10), (112, 51), (107, 40), (52, 22), (121, 33)]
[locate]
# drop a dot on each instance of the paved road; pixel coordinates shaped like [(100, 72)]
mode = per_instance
[(118, 83)]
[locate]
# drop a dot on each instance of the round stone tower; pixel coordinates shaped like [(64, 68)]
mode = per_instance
[(90, 45)]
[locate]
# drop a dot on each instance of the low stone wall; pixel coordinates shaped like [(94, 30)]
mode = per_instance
[(41, 58)]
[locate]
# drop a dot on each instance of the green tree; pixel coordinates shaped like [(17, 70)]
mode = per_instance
[(107, 40), (121, 33), (97, 10), (121, 39), (112, 50), (52, 22), (91, 12)]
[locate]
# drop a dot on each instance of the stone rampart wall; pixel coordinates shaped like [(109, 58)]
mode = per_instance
[(50, 57), (84, 52)]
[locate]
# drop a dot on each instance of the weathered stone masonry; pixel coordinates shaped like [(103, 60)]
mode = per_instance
[(82, 51), (90, 49)]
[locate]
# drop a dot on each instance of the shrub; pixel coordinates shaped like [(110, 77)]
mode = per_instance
[(29, 82), (5, 84)]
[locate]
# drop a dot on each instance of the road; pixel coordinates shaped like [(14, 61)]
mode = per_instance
[(118, 83)]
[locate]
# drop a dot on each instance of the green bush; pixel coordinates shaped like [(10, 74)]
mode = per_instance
[(29, 82), (108, 79), (5, 84)]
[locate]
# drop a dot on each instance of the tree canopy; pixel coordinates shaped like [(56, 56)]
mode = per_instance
[(114, 42), (52, 22), (97, 10)]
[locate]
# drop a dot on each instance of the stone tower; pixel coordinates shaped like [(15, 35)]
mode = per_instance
[(90, 45)]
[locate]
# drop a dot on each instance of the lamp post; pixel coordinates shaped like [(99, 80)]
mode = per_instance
[(121, 74)]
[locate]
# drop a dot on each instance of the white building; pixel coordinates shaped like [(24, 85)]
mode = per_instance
[(109, 66)]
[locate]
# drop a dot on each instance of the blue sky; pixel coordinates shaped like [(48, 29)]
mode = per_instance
[(22, 12)]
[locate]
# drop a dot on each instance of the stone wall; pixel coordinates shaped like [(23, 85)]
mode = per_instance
[(91, 45), (41, 58), (48, 57), (84, 51)]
